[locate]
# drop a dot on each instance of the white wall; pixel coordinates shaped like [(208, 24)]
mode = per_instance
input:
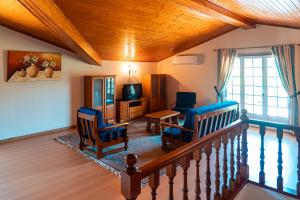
[(30, 107), (202, 78)]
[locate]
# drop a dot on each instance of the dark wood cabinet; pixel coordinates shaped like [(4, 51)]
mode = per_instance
[(154, 89), (99, 93)]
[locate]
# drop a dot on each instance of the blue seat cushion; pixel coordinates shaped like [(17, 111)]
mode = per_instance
[(175, 133), (112, 134)]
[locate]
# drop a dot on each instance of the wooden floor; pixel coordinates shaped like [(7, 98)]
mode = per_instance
[(41, 168)]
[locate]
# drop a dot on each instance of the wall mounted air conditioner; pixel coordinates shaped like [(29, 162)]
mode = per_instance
[(186, 59)]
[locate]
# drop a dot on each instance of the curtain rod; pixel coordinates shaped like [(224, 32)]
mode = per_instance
[(260, 47)]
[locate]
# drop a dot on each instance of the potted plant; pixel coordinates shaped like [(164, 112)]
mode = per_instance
[(49, 66), (32, 70)]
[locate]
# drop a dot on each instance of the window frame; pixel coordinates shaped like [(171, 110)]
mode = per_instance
[(264, 116)]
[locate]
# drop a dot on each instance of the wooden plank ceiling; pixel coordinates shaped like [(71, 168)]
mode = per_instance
[(285, 13), (139, 30)]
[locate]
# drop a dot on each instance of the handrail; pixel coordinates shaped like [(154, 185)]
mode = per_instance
[(168, 158), (273, 124)]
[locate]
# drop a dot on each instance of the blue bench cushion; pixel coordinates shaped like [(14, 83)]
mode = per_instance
[(175, 133)]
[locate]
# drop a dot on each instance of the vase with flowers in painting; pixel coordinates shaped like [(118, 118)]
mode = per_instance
[(49, 66), (32, 70)]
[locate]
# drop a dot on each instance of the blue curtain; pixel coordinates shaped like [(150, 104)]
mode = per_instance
[(285, 63), (225, 65)]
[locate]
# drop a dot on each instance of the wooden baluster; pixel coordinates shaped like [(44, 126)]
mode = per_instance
[(154, 183), (130, 179), (208, 181), (217, 144), (185, 164), (171, 173), (279, 178), (197, 157), (232, 180), (298, 165), (225, 168), (245, 126), (262, 132), (238, 156)]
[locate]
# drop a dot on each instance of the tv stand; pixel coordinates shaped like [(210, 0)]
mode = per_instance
[(131, 109)]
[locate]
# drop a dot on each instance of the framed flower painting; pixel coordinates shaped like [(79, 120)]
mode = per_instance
[(33, 66)]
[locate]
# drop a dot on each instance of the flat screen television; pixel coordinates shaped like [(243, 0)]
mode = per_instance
[(132, 91)]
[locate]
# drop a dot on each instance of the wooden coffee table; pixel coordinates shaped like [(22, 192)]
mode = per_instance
[(158, 117)]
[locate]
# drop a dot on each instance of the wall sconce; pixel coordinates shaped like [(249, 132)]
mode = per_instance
[(131, 70)]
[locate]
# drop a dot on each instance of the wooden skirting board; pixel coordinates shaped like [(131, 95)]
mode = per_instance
[(23, 137)]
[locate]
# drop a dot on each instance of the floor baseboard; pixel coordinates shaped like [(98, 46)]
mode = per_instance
[(23, 137)]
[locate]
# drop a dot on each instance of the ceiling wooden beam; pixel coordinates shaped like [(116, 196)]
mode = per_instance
[(213, 10), (48, 13)]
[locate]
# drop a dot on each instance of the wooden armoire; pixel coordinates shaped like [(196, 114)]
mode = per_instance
[(154, 89), (99, 93)]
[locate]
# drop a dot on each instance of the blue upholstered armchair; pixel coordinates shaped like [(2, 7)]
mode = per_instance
[(94, 132), (184, 102)]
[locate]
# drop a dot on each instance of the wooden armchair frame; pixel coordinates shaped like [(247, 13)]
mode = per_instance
[(91, 134)]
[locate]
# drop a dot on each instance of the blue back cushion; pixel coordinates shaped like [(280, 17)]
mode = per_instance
[(185, 99), (91, 111)]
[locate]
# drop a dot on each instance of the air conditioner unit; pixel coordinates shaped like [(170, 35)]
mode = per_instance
[(186, 60)]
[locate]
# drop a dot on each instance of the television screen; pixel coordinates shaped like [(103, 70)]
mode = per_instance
[(132, 91)]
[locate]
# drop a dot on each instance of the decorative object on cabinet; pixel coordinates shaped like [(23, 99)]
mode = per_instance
[(33, 66), (99, 93), (154, 89), (94, 132), (128, 110)]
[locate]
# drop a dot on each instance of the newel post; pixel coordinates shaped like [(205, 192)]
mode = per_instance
[(245, 126), (130, 179)]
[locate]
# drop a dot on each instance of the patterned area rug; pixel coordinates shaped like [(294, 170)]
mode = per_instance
[(147, 148)]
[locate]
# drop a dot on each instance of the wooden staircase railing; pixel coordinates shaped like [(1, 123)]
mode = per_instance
[(280, 129), (233, 175), (238, 168)]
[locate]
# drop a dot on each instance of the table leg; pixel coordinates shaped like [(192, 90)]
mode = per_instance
[(148, 127), (157, 127)]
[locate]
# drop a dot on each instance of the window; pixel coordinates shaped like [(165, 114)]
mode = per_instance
[(256, 85)]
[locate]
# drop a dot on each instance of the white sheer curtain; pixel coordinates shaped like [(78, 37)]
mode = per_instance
[(225, 65)]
